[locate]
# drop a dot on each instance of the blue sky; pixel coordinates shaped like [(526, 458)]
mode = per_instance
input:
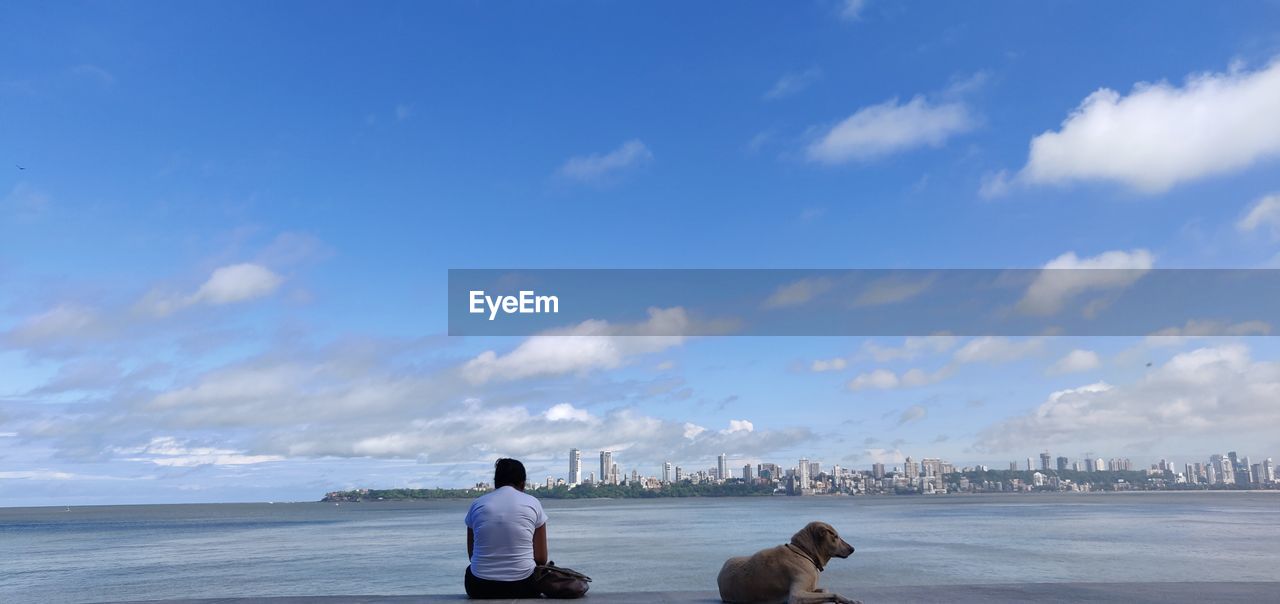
[(223, 260)]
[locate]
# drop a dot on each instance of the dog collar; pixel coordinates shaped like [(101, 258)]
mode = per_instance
[(811, 557)]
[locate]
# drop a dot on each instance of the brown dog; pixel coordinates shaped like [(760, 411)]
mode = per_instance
[(786, 573)]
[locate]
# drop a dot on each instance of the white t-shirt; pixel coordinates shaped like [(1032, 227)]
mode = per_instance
[(503, 523)]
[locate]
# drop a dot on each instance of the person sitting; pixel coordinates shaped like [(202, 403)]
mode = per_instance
[(506, 537)]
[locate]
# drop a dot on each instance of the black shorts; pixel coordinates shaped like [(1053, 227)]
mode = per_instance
[(484, 589)]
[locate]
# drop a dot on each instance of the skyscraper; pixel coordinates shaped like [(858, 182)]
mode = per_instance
[(802, 472), (666, 471), (1063, 464), (1223, 468), (606, 466), (722, 467), (1045, 460), (746, 472), (877, 470), (575, 467)]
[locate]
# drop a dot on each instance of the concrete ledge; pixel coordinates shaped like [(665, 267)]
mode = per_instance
[(1055, 593)]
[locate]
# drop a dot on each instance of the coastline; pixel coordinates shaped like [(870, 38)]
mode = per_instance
[(824, 496), (991, 593)]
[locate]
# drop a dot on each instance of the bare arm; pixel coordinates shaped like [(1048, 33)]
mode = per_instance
[(540, 545), (471, 542)]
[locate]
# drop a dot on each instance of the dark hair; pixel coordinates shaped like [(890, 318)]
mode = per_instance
[(508, 472)]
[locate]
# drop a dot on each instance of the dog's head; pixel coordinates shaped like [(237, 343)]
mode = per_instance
[(823, 541)]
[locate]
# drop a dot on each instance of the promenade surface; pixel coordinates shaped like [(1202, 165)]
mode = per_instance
[(1023, 593)]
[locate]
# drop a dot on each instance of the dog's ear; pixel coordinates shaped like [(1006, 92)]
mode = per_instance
[(822, 531), (808, 538)]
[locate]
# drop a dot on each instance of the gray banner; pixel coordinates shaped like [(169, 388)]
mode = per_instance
[(864, 302)]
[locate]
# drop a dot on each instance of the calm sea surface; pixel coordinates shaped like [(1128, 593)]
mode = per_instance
[(85, 554)]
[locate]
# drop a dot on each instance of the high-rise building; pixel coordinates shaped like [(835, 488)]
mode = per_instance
[(1268, 471), (1013, 466), (1099, 465), (575, 467), (722, 467), (1063, 464), (679, 473), (746, 472), (877, 470), (1029, 468), (802, 473), (613, 474), (1223, 468), (931, 467), (606, 466), (667, 468), (909, 469), (1045, 460)]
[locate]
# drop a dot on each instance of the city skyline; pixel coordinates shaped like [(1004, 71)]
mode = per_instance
[(1221, 469)]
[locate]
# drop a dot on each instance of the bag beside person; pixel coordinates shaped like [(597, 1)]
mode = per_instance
[(560, 582)]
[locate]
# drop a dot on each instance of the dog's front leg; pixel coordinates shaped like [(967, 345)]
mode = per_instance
[(817, 597)]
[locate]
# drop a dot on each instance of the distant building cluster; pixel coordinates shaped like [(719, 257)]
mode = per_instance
[(936, 476)]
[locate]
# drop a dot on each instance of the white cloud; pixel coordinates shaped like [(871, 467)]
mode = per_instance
[(237, 283), (914, 413), (1068, 276), (1200, 329), (995, 184), (851, 10), (596, 167), (1263, 213), (1076, 361), (25, 200), (172, 452), (58, 322), (567, 412), (884, 379), (740, 425), (1162, 135), (41, 475), (93, 72), (227, 285), (798, 292), (890, 127), (824, 365), (880, 379), (912, 348), (793, 83), (995, 349), (890, 290), (588, 346), (1207, 392), (885, 456), (988, 349)]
